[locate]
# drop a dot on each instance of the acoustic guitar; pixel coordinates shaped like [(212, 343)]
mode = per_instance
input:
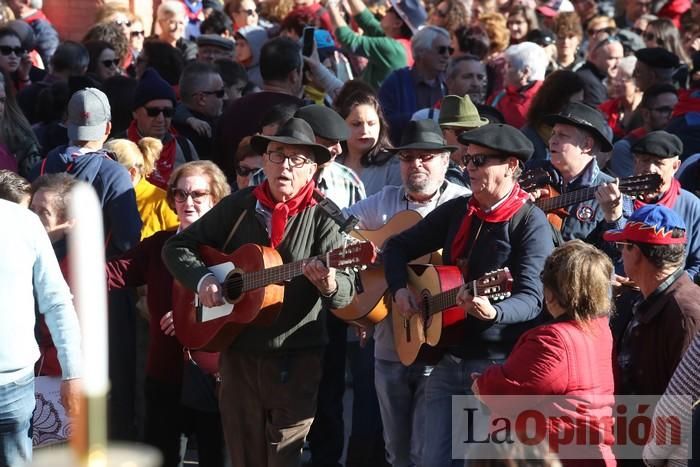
[(370, 304), (554, 204), (436, 288), (251, 279)]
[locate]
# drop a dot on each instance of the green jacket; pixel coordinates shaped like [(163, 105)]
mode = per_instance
[(300, 324), (384, 54)]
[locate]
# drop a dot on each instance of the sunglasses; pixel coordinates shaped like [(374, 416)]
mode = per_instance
[(444, 49), (648, 36), (110, 63), (249, 12), (219, 94), (425, 157), (167, 112), (181, 195), (136, 33), (244, 171), (7, 50), (479, 160), (637, 31)]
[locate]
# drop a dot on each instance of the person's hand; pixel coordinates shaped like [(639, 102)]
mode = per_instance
[(405, 303), (71, 395), (167, 325), (610, 200), (479, 307), (320, 276), (200, 126), (475, 386), (25, 66), (210, 292), (537, 193)]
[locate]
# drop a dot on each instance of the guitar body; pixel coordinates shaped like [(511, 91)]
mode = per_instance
[(410, 334), (214, 329), (556, 217), (370, 304)]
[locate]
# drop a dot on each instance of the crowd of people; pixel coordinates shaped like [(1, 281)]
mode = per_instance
[(518, 130)]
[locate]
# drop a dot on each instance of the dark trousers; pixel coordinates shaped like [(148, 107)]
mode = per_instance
[(327, 436), (122, 365), (167, 420)]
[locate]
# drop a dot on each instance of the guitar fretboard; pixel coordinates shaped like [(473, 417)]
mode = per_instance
[(263, 278), (567, 199), (447, 299)]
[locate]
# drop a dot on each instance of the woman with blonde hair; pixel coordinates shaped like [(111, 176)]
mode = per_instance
[(151, 201), (568, 360)]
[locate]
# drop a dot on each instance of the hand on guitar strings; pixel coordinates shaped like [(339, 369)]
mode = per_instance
[(478, 306), (538, 193), (167, 325), (610, 200), (405, 303), (210, 292), (321, 277)]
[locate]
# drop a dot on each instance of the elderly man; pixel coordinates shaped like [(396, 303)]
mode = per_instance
[(526, 64), (659, 153), (665, 321), (424, 159), (423, 85), (654, 66), (202, 93), (153, 110), (212, 47), (270, 374), (494, 228), (601, 65)]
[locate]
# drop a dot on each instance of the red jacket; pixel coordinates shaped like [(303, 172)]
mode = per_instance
[(559, 359), (514, 103)]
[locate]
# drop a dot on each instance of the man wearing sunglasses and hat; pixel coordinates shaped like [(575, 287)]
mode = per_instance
[(270, 374), (579, 135), (424, 158), (493, 228)]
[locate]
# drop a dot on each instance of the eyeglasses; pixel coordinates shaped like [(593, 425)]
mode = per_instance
[(478, 160), (662, 110), (7, 50), (651, 37), (424, 157), (123, 22), (249, 11), (621, 245), (219, 94), (136, 33), (295, 160), (637, 31), (110, 63), (445, 49), (244, 171), (167, 112), (181, 195)]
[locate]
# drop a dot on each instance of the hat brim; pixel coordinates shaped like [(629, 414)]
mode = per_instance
[(551, 120), (614, 236), (259, 144), (86, 133), (644, 234), (466, 124), (430, 146)]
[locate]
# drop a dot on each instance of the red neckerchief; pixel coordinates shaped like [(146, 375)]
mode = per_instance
[(517, 198), (36, 16), (668, 199), (165, 163), (282, 211), (688, 101)]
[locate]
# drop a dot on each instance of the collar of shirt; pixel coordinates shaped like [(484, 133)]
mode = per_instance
[(645, 309), (500, 201), (433, 199), (585, 178)]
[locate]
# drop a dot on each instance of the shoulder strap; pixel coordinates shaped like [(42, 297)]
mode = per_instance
[(518, 218), (233, 229), (42, 168), (184, 143), (346, 224)]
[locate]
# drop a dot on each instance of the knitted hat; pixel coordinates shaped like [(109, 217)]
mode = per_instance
[(151, 87)]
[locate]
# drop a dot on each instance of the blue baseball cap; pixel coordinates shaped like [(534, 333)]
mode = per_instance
[(652, 224)]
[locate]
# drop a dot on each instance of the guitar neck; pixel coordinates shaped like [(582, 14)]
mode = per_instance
[(274, 275), (447, 299), (566, 199)]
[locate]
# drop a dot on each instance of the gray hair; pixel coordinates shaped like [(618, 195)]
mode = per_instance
[(194, 78), (627, 65), (170, 8), (528, 55), (453, 66), (422, 41), (36, 4)]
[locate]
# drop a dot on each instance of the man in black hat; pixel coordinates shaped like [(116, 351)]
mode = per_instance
[(654, 66), (424, 158), (579, 135), (494, 228), (659, 153), (270, 374)]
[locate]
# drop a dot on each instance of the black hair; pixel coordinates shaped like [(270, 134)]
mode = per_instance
[(279, 57), (231, 72), (279, 114), (216, 23), (655, 91), (72, 57), (120, 89), (663, 256), (95, 48), (51, 102), (165, 59), (473, 41)]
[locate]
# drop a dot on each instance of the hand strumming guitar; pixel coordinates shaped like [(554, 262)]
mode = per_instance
[(405, 303), (321, 276), (210, 292)]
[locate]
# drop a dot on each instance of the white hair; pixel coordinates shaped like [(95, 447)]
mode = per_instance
[(627, 65), (422, 41), (528, 55), (170, 8), (36, 4)]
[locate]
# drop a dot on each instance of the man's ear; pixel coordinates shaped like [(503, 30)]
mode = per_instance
[(108, 129)]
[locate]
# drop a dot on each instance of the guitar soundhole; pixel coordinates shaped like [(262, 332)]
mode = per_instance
[(233, 286)]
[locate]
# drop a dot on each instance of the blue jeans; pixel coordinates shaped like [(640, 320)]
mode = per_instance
[(16, 406), (401, 394), (450, 377)]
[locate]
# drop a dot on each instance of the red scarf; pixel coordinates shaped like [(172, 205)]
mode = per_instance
[(281, 211), (517, 198), (166, 161), (668, 199)]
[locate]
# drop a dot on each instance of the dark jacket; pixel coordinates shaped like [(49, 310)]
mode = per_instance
[(594, 91), (663, 326), (524, 254), (300, 324), (202, 143)]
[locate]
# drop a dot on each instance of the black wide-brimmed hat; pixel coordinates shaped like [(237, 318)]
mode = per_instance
[(585, 117), (423, 134), (500, 137), (296, 132), (325, 122)]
